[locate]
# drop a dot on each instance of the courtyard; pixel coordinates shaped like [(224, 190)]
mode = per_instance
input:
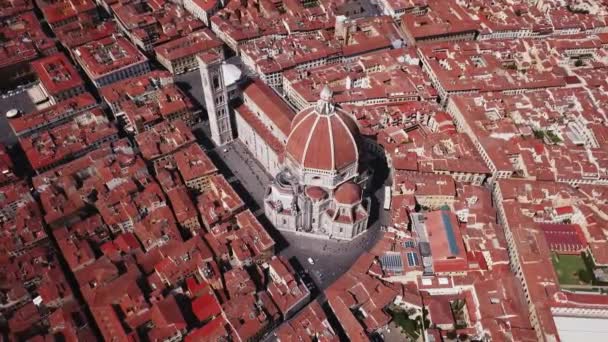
[(571, 269)]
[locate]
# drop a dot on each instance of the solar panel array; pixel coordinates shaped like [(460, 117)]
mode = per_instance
[(412, 259), (409, 244), (391, 262), (449, 232)]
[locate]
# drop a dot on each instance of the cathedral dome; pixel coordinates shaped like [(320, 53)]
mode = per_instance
[(315, 193), (323, 138), (348, 193)]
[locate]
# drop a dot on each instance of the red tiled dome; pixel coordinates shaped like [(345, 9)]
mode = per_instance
[(323, 141), (315, 193), (348, 193)]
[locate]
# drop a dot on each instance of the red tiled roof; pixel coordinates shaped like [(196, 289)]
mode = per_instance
[(213, 331), (315, 193), (164, 138), (192, 162), (107, 55), (10, 8), (52, 114), (192, 44), (443, 17), (108, 323), (57, 74), (599, 252), (80, 32), (567, 238), (256, 124), (309, 324), (564, 210), (206, 5), (23, 39), (134, 87), (352, 328), (323, 142), (195, 288), (348, 193), (61, 11), (440, 309), (270, 104), (68, 140), (205, 307)]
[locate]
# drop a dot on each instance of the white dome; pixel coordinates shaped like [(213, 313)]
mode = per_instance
[(231, 74), (12, 113)]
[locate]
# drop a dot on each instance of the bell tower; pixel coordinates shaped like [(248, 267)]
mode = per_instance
[(216, 97)]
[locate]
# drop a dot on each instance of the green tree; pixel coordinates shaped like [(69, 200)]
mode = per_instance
[(538, 134)]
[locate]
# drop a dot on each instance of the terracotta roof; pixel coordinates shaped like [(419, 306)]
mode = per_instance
[(260, 128), (13, 7), (348, 193), (599, 252), (102, 57), (310, 324), (564, 210), (271, 104), (59, 13), (206, 5), (80, 32), (212, 331), (108, 323), (442, 18), (189, 45), (23, 39), (43, 118), (323, 141), (206, 306), (315, 193), (69, 140), (57, 74), (164, 138), (192, 163)]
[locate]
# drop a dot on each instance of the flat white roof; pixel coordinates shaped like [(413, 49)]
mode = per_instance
[(36, 94), (574, 329), (232, 73)]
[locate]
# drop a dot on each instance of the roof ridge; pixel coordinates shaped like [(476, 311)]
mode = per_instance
[(312, 129)]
